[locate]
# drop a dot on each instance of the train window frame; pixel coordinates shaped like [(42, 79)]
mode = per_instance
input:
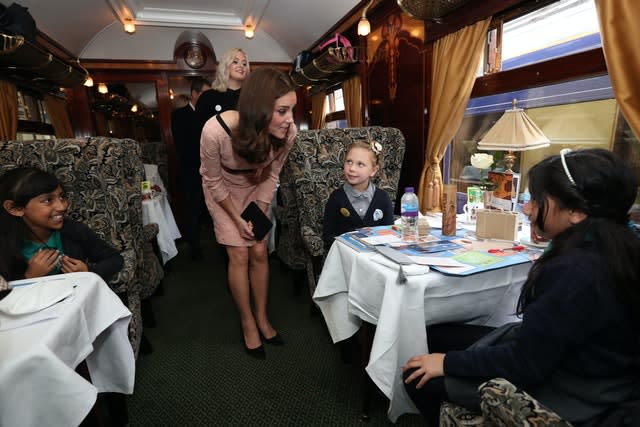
[(335, 115), (495, 78), (502, 36), (33, 117)]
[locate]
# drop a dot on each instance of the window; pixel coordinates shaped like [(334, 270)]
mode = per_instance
[(581, 113), (541, 35), (335, 116), (33, 119), (560, 29)]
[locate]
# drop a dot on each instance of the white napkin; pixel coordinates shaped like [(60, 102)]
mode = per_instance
[(25, 299)]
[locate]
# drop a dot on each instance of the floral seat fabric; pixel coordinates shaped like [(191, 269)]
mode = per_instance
[(102, 177), (312, 172), (502, 404)]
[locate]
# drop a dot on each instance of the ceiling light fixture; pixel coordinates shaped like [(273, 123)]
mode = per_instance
[(129, 26), (249, 32), (102, 88), (364, 27)]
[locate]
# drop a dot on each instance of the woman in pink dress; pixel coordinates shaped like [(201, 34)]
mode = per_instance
[(241, 154)]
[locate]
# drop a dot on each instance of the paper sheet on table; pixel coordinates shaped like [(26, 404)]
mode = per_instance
[(381, 240), (409, 270), (445, 264)]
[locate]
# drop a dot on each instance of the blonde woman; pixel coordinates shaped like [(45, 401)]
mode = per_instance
[(233, 68)]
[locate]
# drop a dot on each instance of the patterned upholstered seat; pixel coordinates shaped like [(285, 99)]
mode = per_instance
[(502, 404), (312, 172), (102, 177), (155, 153)]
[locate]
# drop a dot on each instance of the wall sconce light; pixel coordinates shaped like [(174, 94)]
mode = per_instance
[(134, 108), (249, 32), (88, 81), (102, 88), (129, 26), (171, 94), (364, 27)]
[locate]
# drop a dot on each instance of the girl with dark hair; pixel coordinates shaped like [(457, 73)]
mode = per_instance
[(37, 239), (242, 153), (577, 349)]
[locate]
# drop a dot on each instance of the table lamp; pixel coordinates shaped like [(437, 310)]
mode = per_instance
[(514, 131)]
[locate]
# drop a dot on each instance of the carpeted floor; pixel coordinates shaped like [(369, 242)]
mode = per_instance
[(199, 375)]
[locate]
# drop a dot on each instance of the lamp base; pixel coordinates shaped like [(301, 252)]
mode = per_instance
[(509, 161)]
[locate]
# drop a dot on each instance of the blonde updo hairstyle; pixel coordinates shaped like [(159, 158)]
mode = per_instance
[(375, 149)]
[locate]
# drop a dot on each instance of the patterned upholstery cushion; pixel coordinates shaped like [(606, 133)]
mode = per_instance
[(457, 416), (102, 177), (504, 405), (155, 153), (312, 172)]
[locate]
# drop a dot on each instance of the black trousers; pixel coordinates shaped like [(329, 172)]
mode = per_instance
[(194, 209), (440, 339)]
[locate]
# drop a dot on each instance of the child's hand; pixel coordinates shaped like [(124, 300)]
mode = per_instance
[(42, 262), (72, 265)]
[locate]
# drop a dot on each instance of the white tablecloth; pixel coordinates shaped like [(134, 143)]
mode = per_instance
[(38, 382), (157, 210), (360, 286)]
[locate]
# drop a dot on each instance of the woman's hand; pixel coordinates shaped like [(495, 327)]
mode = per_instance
[(245, 228), (72, 265), (41, 263), (291, 132), (426, 366)]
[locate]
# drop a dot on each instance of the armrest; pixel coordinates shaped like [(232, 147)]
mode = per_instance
[(126, 276), (312, 241), (150, 231), (502, 403)]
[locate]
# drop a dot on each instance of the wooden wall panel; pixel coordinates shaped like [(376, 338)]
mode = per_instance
[(396, 88)]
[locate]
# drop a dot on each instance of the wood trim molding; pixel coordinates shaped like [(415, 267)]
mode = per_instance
[(580, 65)]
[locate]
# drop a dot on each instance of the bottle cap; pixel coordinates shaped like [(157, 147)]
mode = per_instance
[(408, 190)]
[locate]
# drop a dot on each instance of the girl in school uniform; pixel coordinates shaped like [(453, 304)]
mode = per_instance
[(358, 203), (37, 238)]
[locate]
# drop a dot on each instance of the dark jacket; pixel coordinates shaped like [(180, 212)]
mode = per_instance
[(336, 222), (577, 348), (212, 102), (80, 242), (186, 138)]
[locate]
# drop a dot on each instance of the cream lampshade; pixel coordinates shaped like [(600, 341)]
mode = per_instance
[(514, 131)]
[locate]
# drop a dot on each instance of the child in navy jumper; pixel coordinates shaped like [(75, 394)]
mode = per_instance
[(358, 203), (576, 349)]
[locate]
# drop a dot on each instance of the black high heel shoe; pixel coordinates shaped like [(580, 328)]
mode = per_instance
[(274, 340), (257, 352)]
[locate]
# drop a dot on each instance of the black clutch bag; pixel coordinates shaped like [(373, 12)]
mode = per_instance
[(261, 223)]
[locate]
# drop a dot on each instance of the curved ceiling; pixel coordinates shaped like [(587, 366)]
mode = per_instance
[(93, 28)]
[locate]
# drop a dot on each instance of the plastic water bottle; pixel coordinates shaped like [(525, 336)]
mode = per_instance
[(409, 206)]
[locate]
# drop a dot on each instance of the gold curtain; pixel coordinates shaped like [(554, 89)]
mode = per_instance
[(59, 117), (317, 110), (455, 61), (620, 34), (8, 111), (351, 90)]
